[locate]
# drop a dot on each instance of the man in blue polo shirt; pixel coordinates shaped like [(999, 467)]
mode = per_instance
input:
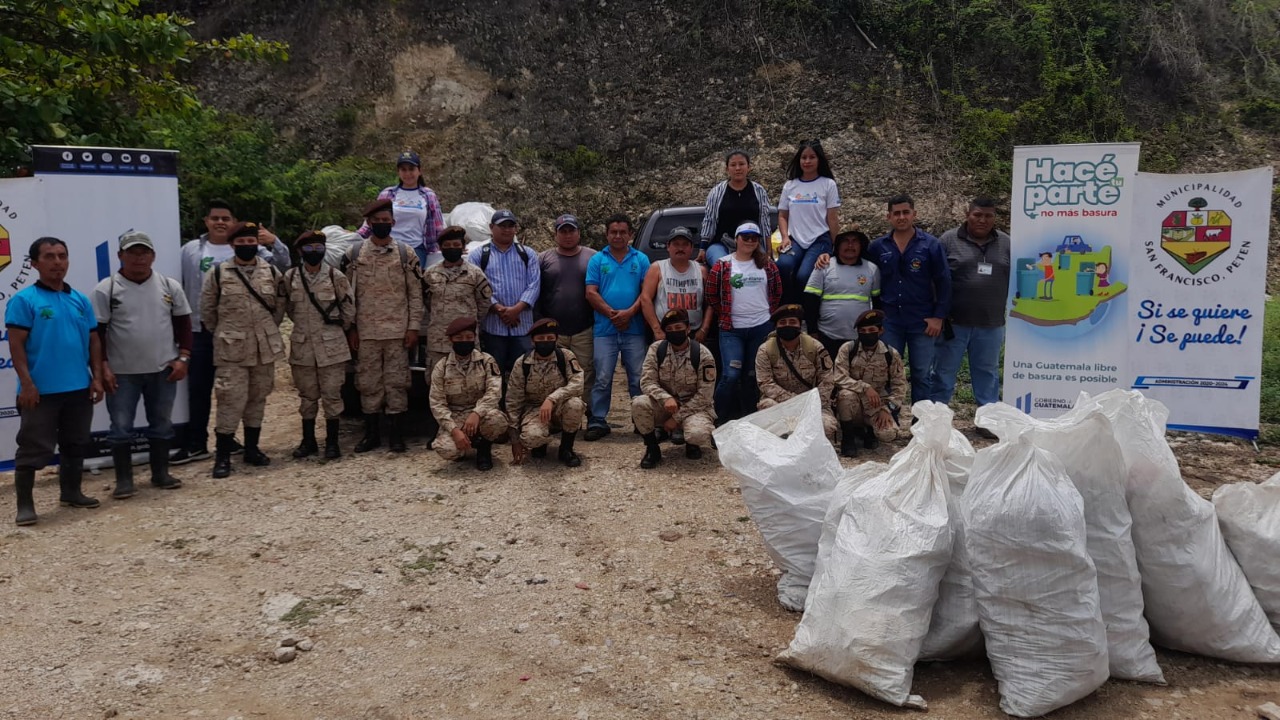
[(614, 281), (915, 289), (58, 359)]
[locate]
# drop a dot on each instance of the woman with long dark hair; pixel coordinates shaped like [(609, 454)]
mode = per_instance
[(808, 217), (418, 220), (730, 203)]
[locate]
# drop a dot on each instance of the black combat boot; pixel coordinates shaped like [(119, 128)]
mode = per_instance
[(652, 453), (848, 440), (24, 485), (372, 434), (395, 433), (539, 452), (693, 452), (484, 453), (869, 439), (252, 455), (158, 457), (222, 454), (567, 455), (331, 449), (122, 459), (70, 476), (308, 446)]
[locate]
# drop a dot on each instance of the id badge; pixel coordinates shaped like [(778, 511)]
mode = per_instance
[(984, 268)]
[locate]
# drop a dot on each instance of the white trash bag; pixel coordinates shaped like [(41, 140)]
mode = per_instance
[(1249, 515), (337, 240), (786, 483), (1084, 441), (1036, 586), (473, 217), (954, 632), (1197, 598), (873, 593)]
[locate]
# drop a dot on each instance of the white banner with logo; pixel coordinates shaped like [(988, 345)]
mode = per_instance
[(1070, 220), (87, 197), (1199, 290)]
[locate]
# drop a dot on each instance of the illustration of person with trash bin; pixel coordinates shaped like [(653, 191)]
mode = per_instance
[(871, 384), (1101, 272), (1046, 264)]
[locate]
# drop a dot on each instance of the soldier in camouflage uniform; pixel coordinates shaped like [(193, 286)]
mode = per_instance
[(871, 384), (791, 362), (677, 381), (320, 304), (466, 388), (242, 303), (455, 288), (387, 285), (543, 392)]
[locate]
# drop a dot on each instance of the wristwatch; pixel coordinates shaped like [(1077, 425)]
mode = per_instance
[(184, 358)]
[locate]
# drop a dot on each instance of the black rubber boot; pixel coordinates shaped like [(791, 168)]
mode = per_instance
[(222, 455), (331, 449), (70, 477), (122, 459), (252, 455), (158, 457), (484, 453), (308, 446), (24, 485), (538, 452), (372, 434), (869, 439), (693, 452), (652, 453), (567, 455), (395, 433), (848, 440)]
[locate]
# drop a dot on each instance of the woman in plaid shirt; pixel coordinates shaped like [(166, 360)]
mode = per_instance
[(743, 289)]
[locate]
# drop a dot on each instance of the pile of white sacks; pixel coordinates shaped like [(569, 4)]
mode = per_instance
[(1064, 550)]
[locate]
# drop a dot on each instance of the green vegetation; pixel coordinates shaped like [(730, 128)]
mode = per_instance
[(1270, 415), (307, 610)]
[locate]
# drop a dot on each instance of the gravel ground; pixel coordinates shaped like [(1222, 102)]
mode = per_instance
[(415, 588)]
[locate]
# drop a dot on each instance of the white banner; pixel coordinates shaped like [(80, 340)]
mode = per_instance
[(87, 197), (1071, 218), (1199, 290)]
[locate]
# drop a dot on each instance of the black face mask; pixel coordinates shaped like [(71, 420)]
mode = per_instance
[(313, 257), (381, 231), (678, 337), (452, 255), (463, 349), (544, 347), (869, 341), (246, 252), (789, 333)]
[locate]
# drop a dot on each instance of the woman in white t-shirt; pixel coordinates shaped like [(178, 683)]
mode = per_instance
[(418, 220), (743, 289), (808, 217)]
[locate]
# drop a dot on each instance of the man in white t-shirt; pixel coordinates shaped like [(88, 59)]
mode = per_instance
[(145, 323)]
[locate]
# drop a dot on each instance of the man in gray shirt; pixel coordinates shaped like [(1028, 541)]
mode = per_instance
[(564, 295), (978, 255)]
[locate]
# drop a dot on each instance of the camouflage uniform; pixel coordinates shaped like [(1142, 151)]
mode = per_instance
[(858, 369), (677, 378), (459, 388), (388, 297), (536, 379), (318, 351), (778, 383), (246, 338), (452, 292)]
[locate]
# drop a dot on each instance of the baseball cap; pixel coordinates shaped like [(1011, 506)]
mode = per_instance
[(133, 237), (568, 219), (682, 232), (748, 228), (503, 216), (409, 157)]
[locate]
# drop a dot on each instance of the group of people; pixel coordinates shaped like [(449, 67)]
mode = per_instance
[(519, 345)]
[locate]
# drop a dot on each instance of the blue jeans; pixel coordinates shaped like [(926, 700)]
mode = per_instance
[(506, 349), (906, 335), (796, 265), (715, 251), (736, 393), (983, 345), (157, 395), (606, 349)]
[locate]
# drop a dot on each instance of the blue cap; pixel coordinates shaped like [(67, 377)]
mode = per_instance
[(568, 219), (408, 157), (503, 216), (748, 228)]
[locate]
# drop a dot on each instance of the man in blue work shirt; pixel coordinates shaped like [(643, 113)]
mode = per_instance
[(516, 278), (915, 283), (614, 280)]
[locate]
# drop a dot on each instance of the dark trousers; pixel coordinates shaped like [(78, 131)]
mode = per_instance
[(64, 419), (199, 391)]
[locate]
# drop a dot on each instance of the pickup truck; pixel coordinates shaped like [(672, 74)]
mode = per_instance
[(652, 238)]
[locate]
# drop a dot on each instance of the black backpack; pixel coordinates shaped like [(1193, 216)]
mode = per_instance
[(487, 250), (695, 352), (525, 365)]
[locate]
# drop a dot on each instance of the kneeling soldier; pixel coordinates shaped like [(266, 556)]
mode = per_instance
[(466, 387), (320, 304), (791, 363), (870, 386), (543, 392), (677, 382)]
